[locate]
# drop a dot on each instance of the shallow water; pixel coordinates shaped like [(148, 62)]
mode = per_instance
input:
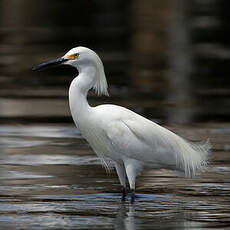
[(50, 179)]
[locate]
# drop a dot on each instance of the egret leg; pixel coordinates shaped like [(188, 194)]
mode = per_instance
[(132, 195), (122, 178), (132, 168), (123, 190)]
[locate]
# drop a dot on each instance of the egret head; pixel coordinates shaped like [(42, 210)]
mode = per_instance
[(82, 58), (76, 57)]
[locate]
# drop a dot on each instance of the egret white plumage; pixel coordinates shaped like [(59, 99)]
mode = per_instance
[(130, 140)]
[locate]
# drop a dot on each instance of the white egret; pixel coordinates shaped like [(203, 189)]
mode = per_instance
[(130, 140)]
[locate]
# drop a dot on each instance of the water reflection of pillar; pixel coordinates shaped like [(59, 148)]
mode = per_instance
[(150, 21), (179, 94)]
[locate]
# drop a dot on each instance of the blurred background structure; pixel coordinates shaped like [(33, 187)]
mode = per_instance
[(167, 60)]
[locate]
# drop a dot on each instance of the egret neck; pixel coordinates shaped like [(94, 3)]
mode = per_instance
[(78, 91)]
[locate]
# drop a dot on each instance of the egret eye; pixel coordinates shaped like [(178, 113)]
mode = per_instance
[(73, 56)]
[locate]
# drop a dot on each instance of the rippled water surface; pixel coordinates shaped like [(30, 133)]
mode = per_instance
[(50, 179)]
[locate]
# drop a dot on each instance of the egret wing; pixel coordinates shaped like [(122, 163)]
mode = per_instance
[(141, 139)]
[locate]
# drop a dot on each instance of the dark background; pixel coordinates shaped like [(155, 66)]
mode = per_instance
[(167, 60)]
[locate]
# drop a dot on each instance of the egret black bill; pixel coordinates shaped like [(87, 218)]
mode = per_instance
[(55, 62)]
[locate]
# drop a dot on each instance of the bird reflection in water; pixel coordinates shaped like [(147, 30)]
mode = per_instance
[(125, 218)]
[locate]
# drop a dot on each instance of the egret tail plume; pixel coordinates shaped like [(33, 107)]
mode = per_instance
[(191, 158)]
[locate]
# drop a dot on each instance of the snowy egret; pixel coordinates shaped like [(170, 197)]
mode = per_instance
[(131, 141)]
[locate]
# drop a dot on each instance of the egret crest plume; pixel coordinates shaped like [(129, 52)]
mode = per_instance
[(101, 86), (90, 58)]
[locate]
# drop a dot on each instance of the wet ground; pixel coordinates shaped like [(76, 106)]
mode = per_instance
[(50, 179)]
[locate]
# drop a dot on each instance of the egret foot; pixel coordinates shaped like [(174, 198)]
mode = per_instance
[(132, 196), (123, 190)]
